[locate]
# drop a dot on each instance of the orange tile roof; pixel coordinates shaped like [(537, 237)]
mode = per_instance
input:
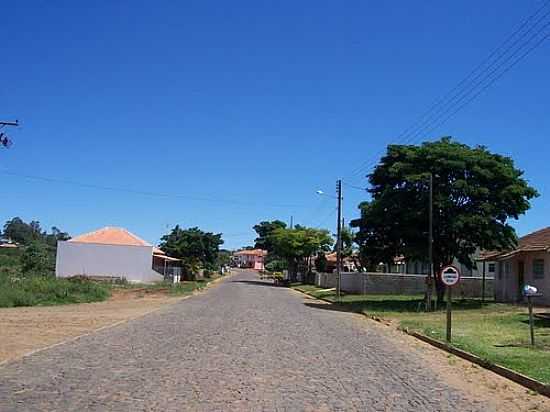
[(157, 251), (538, 241), (111, 236), (540, 238), (253, 252)]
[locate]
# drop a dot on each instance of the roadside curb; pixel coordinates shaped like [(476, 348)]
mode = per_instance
[(115, 324), (516, 377)]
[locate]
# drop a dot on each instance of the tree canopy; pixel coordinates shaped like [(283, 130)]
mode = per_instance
[(475, 193), (298, 244), (193, 246), (26, 233), (264, 230)]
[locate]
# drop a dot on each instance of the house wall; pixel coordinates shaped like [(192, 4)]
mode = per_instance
[(507, 288), (133, 263), (251, 261), (399, 284)]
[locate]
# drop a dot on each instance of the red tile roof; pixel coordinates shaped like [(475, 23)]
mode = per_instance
[(533, 242), (538, 239), (111, 236), (253, 252)]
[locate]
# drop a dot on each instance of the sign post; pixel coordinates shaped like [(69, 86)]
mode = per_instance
[(531, 292), (450, 276)]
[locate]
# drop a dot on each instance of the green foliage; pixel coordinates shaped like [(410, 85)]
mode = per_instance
[(475, 193), (278, 275), (26, 233), (195, 247), (300, 243), (224, 258), (321, 263), (38, 258), (276, 265), (264, 230), (47, 290)]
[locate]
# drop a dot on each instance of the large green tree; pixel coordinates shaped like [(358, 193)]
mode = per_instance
[(299, 244), (475, 193), (264, 230), (194, 246), (26, 233)]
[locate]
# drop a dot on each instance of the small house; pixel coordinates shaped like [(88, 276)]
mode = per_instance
[(528, 263), (114, 252), (250, 259)]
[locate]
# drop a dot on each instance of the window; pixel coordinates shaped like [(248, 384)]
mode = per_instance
[(538, 268), (491, 268)]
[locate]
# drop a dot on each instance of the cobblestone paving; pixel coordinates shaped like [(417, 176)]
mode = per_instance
[(242, 345)]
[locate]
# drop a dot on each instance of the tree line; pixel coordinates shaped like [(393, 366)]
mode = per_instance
[(475, 196)]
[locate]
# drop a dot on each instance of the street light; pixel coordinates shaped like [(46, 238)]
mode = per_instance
[(338, 235)]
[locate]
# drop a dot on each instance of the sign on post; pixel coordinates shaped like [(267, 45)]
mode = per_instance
[(531, 292), (450, 276)]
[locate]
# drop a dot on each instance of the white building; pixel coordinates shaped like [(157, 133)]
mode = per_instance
[(112, 252)]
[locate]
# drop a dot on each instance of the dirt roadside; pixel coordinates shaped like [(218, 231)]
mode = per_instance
[(26, 329), (479, 383)]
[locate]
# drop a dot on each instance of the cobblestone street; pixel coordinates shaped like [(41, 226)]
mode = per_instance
[(242, 345)]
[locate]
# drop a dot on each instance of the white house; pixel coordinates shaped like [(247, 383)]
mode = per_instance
[(112, 252)]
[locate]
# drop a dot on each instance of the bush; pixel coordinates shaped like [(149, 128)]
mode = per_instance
[(38, 258), (47, 290), (278, 275), (277, 265)]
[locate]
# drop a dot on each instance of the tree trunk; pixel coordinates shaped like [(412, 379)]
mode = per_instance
[(292, 267)]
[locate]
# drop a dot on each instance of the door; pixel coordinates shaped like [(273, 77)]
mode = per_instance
[(521, 280)]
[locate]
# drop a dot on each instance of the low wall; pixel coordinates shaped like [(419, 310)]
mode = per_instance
[(400, 284)]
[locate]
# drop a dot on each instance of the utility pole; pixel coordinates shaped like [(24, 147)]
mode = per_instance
[(339, 239), (4, 139), (430, 248)]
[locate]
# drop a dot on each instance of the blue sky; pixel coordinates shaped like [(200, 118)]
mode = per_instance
[(239, 111)]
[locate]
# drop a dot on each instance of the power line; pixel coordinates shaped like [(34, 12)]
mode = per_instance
[(143, 193), (423, 123), (322, 221)]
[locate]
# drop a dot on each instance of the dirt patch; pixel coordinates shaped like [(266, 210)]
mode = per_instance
[(28, 329), (471, 379), (24, 330)]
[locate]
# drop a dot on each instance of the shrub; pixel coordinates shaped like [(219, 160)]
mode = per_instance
[(47, 290), (38, 258), (277, 265)]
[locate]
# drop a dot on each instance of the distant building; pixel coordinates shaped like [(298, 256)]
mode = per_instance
[(114, 252), (482, 266), (251, 259), (6, 242)]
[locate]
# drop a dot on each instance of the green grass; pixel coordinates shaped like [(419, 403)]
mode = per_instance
[(496, 332), (38, 290), (18, 289), (182, 288)]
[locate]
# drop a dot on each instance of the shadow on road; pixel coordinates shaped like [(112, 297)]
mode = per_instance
[(254, 282), (330, 306)]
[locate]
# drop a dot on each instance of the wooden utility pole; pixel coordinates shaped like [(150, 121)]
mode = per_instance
[(339, 240), (429, 284)]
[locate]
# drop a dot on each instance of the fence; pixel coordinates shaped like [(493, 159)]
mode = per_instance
[(399, 284), (169, 272)]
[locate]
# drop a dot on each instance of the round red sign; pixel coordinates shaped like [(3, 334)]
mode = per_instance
[(450, 275)]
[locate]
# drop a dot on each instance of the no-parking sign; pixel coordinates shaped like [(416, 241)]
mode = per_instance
[(450, 275)]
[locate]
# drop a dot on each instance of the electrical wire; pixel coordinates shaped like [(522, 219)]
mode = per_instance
[(463, 89)]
